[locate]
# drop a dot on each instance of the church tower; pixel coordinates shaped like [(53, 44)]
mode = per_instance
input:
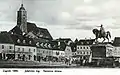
[(22, 19)]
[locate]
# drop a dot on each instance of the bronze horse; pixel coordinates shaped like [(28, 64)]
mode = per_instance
[(104, 36)]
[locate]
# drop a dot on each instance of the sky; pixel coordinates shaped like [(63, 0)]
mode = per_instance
[(65, 18)]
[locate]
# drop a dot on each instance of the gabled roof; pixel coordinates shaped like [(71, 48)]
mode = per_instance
[(44, 33), (31, 27), (64, 39), (85, 42), (39, 32), (5, 38), (116, 41), (16, 30)]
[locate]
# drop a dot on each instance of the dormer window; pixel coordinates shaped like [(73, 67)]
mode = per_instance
[(30, 42), (23, 41), (37, 44), (41, 45), (45, 45), (18, 41), (82, 43), (49, 46), (87, 42)]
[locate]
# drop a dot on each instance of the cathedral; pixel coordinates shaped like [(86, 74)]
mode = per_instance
[(28, 29)]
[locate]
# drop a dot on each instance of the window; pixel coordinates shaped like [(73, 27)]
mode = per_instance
[(82, 43), (34, 50), (29, 57), (30, 42), (87, 42), (83, 52), (23, 41), (29, 50), (80, 52), (2, 46), (18, 49), (34, 57), (77, 47), (80, 47), (88, 53), (84, 47), (87, 47), (43, 51), (75, 53), (10, 47), (46, 51), (23, 49), (18, 41), (18, 56)]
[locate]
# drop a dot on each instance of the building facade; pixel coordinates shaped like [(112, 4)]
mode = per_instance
[(83, 50), (25, 48), (6, 46)]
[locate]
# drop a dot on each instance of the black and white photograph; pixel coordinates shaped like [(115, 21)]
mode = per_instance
[(62, 34)]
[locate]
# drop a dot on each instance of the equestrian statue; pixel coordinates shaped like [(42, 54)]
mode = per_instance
[(101, 34)]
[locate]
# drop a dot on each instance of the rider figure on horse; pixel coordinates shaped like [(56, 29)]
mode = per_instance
[(102, 30)]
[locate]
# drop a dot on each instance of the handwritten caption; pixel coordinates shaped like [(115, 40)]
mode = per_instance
[(26, 70)]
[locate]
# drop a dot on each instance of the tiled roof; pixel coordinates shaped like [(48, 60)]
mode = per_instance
[(16, 30), (64, 40), (85, 42), (31, 27), (5, 38), (52, 45), (22, 41), (39, 32)]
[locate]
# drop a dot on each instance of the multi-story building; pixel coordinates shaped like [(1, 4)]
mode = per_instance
[(49, 50), (44, 50), (83, 49), (25, 48), (116, 44), (6, 46)]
